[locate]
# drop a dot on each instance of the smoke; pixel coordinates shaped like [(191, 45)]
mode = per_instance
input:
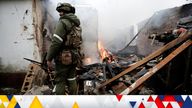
[(118, 15), (116, 18)]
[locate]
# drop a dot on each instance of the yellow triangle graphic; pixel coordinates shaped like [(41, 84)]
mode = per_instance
[(4, 98), (2, 106), (12, 103), (75, 105), (36, 103)]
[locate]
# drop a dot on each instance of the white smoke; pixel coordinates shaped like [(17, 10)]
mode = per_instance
[(116, 16)]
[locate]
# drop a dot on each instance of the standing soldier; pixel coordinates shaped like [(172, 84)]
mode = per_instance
[(65, 49)]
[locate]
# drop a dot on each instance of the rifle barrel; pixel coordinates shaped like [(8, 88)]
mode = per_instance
[(33, 61)]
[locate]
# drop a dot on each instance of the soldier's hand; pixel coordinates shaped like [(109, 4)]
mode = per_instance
[(50, 65)]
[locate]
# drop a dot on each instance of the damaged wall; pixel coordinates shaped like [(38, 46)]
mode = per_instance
[(17, 36), (38, 28), (32, 24)]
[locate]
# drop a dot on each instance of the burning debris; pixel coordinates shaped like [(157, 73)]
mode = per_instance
[(126, 73), (114, 79), (91, 77), (94, 75)]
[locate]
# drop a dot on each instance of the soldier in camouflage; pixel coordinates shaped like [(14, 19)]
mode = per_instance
[(65, 49)]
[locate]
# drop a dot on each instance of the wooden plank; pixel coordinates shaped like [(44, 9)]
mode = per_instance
[(161, 64), (28, 79), (181, 38)]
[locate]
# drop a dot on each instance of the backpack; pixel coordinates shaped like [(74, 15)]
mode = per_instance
[(74, 37)]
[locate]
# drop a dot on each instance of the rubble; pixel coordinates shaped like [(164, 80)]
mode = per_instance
[(122, 73), (9, 91), (96, 74), (146, 91), (109, 77), (92, 76), (39, 90)]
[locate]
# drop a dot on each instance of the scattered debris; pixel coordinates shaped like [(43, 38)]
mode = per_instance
[(9, 91), (39, 90), (109, 77), (146, 91), (116, 74)]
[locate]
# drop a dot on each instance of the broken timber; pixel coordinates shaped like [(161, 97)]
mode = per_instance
[(184, 36), (34, 76), (157, 67), (27, 84)]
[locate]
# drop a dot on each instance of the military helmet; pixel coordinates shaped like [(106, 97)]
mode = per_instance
[(64, 7)]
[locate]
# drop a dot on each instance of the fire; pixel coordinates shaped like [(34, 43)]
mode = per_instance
[(103, 52)]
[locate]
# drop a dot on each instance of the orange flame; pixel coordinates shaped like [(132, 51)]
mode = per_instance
[(103, 52)]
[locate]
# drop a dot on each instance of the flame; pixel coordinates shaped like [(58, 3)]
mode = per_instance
[(103, 52)]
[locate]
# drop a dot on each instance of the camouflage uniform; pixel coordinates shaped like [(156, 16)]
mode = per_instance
[(65, 73)]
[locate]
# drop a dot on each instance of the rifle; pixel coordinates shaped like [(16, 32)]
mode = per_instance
[(44, 66)]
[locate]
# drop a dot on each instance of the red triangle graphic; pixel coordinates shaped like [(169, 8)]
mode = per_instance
[(150, 99), (169, 105), (169, 98), (119, 97), (180, 104), (141, 105), (159, 103)]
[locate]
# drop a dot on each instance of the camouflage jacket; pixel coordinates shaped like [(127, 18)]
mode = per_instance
[(65, 23)]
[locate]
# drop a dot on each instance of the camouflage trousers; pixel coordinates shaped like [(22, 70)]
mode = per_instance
[(65, 77)]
